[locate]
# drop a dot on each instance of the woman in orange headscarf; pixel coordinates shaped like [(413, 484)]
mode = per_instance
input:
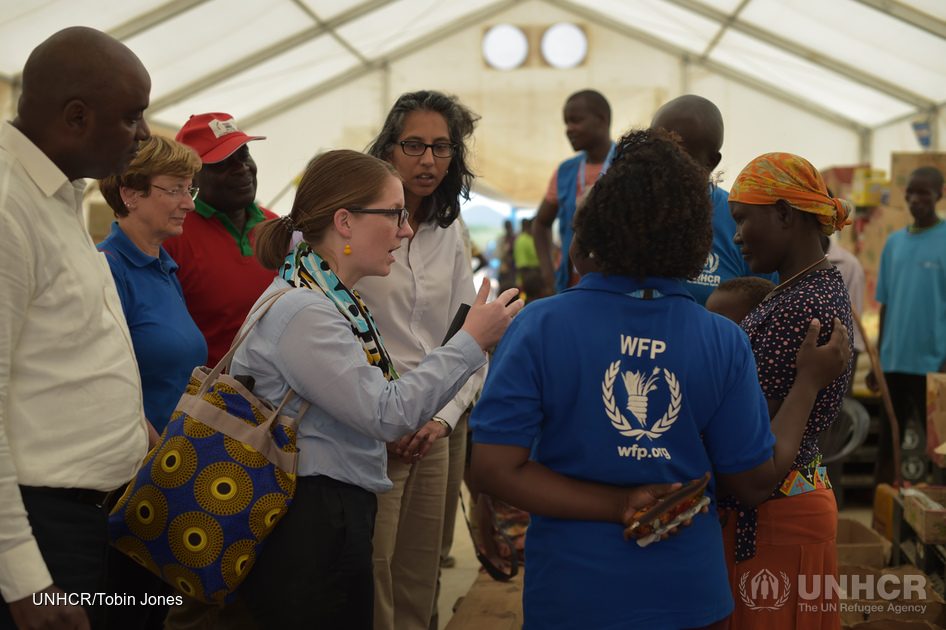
[(779, 554)]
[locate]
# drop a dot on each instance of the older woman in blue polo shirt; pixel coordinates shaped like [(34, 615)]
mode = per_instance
[(150, 201)]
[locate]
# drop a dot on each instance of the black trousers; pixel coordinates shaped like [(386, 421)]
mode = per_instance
[(908, 397), (73, 539), (315, 569), (128, 578)]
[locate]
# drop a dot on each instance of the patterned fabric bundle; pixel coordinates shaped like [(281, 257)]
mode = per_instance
[(213, 488), (775, 176), (805, 480), (305, 268)]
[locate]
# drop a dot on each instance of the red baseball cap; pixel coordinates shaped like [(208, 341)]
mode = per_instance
[(214, 136)]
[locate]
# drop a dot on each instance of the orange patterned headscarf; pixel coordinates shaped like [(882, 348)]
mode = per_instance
[(775, 176)]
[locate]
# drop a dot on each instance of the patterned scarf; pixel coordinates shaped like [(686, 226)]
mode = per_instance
[(304, 268), (775, 176)]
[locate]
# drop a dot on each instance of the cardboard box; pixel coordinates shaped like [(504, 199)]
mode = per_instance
[(840, 179), (901, 165), (929, 524), (859, 545), (870, 186), (883, 510), (900, 608), (935, 416), (870, 231)]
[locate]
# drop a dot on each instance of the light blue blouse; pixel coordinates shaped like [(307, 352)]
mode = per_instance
[(305, 343)]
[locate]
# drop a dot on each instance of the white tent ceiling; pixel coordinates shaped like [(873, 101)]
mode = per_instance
[(858, 65)]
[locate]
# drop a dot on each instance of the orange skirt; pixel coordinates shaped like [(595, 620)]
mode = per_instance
[(795, 545)]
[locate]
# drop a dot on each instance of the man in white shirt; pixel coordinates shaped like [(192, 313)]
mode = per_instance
[(72, 425), (853, 274)]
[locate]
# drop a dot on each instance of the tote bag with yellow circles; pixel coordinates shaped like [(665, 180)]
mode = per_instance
[(215, 485)]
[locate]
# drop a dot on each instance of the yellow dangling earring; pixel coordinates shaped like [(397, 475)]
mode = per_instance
[(347, 249)]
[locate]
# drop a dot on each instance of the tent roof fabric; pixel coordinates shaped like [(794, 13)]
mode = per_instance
[(862, 63)]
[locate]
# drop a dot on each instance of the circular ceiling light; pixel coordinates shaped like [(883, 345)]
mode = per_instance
[(505, 47), (564, 45)]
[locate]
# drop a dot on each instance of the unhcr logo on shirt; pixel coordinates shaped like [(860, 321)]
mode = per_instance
[(708, 277)]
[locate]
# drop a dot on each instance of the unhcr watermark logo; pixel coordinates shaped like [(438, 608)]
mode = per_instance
[(764, 590)]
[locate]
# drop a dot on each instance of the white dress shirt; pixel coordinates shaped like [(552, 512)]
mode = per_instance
[(414, 305), (70, 394), (853, 275)]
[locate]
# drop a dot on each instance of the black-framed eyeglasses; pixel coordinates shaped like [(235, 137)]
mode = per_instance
[(178, 192), (439, 149), (402, 213)]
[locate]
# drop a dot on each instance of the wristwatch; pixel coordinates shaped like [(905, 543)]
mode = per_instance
[(443, 423)]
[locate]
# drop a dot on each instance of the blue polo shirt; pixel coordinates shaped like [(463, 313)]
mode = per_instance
[(168, 345), (611, 388), (725, 262)]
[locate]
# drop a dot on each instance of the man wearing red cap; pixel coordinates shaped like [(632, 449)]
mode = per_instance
[(218, 271)]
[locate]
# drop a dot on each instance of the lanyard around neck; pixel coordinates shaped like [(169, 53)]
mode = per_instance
[(584, 162), (646, 294)]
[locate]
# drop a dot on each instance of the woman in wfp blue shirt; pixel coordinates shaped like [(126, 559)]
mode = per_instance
[(625, 380)]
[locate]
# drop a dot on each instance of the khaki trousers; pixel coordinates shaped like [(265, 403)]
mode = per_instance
[(455, 468), (407, 539)]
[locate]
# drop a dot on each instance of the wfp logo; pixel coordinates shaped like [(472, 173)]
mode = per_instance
[(639, 386), (763, 591)]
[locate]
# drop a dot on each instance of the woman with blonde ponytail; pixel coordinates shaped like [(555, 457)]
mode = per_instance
[(320, 340)]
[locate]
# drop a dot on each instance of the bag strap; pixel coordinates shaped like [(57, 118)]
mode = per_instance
[(256, 436), (494, 572), (248, 324), (303, 407)]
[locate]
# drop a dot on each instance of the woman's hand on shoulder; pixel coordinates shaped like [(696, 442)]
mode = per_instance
[(486, 323), (818, 365)]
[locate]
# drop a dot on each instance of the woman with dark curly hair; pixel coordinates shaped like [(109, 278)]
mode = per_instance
[(425, 138), (625, 380), (781, 208)]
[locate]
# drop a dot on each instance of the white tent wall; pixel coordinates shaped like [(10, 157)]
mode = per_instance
[(347, 118), (756, 123), (520, 138), (885, 140), (631, 59), (901, 137)]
